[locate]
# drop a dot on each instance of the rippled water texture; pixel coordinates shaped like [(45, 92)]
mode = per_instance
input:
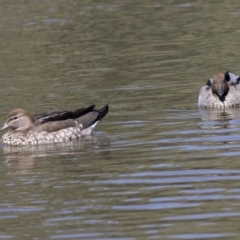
[(156, 167)]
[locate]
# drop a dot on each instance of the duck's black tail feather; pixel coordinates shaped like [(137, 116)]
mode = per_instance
[(102, 112), (92, 117)]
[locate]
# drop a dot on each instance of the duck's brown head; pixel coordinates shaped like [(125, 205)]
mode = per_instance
[(220, 86), (19, 120)]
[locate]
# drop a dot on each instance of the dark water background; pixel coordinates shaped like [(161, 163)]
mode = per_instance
[(156, 167)]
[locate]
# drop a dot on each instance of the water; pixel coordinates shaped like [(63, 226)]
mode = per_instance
[(156, 167)]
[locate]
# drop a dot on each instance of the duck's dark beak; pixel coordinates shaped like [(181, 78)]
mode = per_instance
[(220, 91)]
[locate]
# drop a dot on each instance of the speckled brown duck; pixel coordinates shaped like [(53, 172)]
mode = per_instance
[(221, 92), (55, 127)]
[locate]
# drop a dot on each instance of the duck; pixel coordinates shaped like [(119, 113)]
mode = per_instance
[(220, 92), (45, 128)]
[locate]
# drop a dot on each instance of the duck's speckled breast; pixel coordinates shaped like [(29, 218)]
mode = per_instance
[(206, 99), (34, 138)]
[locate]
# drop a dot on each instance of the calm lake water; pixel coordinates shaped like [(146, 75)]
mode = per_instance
[(156, 167)]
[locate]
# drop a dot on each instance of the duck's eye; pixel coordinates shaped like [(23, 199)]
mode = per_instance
[(15, 118)]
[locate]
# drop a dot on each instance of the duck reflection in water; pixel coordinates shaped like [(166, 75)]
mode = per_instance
[(23, 158)]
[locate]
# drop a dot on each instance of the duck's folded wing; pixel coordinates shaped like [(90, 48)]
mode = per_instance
[(56, 126), (87, 117), (85, 121), (62, 115)]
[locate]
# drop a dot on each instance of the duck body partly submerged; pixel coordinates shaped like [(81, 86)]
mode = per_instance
[(221, 92), (55, 127)]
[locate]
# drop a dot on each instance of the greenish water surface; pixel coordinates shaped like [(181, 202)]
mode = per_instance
[(156, 167)]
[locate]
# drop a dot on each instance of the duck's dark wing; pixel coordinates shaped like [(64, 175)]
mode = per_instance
[(62, 115), (56, 121)]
